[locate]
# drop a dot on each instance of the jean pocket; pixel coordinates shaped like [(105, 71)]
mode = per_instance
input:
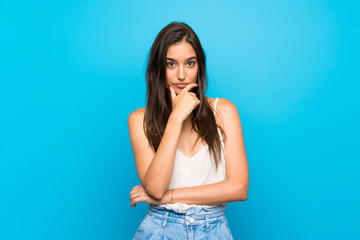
[(146, 218)]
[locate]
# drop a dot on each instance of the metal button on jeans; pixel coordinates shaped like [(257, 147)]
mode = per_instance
[(191, 220)]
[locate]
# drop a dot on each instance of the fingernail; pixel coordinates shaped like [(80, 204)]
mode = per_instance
[(169, 87)]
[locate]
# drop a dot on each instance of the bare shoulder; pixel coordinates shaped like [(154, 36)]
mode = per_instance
[(226, 107), (210, 100), (136, 116), (225, 110)]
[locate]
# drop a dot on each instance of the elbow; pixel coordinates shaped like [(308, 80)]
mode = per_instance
[(241, 192), (154, 191)]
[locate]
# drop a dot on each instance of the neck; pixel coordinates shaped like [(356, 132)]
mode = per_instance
[(187, 123)]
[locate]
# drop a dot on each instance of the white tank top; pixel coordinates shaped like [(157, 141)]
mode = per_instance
[(197, 170)]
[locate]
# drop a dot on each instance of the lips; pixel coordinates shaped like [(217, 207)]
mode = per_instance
[(181, 85)]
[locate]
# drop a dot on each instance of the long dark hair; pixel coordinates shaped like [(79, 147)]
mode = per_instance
[(159, 104)]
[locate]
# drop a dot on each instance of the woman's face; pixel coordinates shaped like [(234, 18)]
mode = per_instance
[(181, 66)]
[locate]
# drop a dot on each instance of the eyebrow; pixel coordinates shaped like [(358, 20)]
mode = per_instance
[(171, 59)]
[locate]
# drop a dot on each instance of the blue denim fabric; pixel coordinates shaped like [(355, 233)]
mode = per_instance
[(195, 223)]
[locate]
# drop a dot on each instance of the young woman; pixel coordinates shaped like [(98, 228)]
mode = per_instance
[(189, 149)]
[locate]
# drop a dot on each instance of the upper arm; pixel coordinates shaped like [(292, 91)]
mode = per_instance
[(235, 155), (142, 150)]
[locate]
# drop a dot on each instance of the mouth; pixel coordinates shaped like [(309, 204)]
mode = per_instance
[(180, 85)]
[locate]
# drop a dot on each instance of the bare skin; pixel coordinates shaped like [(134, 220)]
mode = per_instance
[(155, 169), (182, 67)]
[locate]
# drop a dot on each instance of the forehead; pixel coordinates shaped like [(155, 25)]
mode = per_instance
[(181, 50)]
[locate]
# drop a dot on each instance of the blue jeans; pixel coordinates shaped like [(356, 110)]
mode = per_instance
[(195, 223)]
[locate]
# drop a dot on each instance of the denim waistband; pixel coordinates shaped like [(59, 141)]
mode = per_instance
[(192, 216)]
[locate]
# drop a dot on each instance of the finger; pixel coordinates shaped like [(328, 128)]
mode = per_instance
[(133, 191), (172, 93), (133, 196), (137, 199), (190, 86), (132, 203), (134, 188)]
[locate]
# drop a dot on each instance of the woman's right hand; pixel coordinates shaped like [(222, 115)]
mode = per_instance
[(185, 102)]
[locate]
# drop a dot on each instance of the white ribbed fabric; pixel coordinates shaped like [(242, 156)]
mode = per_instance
[(197, 170)]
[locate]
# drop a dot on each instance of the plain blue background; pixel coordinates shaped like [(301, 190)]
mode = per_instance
[(73, 71)]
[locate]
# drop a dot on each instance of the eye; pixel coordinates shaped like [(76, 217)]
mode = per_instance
[(170, 64), (191, 63)]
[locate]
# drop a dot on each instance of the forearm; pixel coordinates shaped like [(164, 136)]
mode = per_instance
[(216, 193), (158, 175)]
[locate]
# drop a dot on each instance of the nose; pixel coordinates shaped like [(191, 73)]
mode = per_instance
[(181, 73)]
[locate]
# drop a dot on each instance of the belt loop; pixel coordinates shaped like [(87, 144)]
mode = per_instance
[(165, 219), (207, 223)]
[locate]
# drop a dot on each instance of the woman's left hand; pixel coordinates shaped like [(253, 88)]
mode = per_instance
[(138, 194)]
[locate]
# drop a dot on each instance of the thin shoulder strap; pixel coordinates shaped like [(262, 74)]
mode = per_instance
[(215, 105)]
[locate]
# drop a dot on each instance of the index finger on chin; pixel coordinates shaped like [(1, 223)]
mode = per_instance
[(190, 86)]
